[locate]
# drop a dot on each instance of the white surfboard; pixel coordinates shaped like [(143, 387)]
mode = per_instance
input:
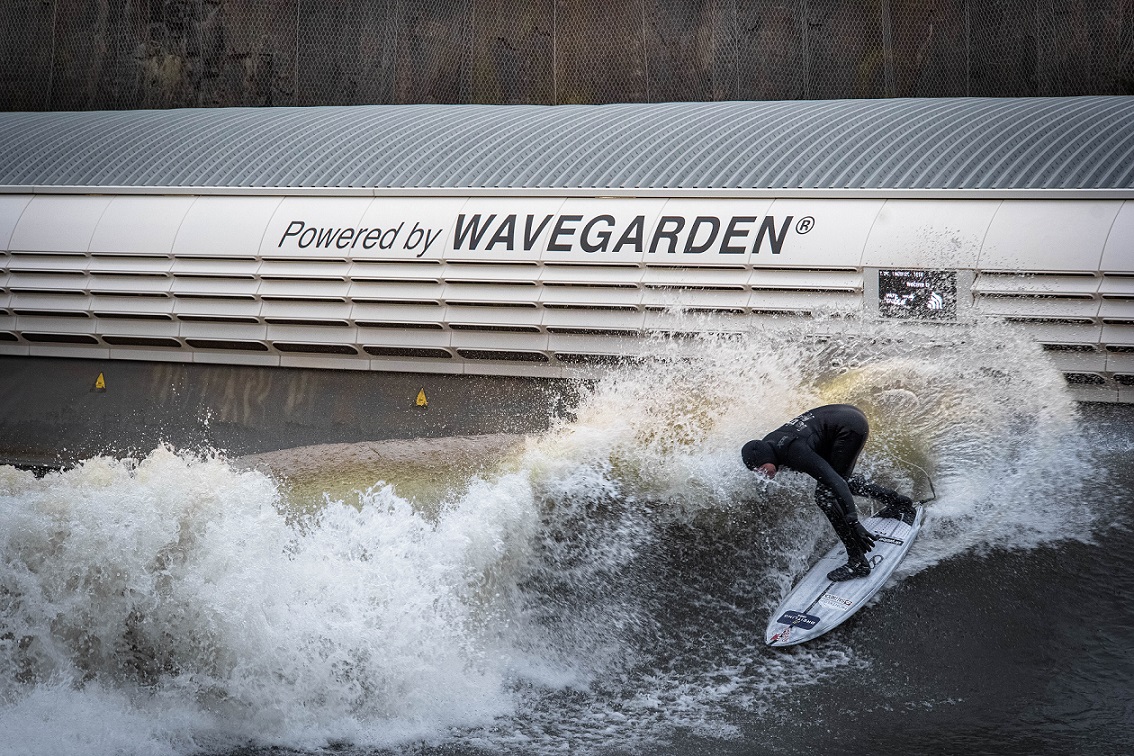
[(816, 605)]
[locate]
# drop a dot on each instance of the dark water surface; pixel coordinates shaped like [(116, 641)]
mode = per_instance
[(1006, 654), (1012, 652)]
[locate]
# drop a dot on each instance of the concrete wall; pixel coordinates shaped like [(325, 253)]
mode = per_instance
[(52, 413), (125, 54)]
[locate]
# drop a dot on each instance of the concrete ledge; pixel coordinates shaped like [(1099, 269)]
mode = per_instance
[(52, 413)]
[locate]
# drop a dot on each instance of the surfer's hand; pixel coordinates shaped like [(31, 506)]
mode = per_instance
[(865, 537)]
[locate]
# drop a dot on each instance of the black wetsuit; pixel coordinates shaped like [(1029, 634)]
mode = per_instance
[(825, 443)]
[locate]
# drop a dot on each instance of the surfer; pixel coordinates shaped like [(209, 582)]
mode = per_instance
[(825, 443)]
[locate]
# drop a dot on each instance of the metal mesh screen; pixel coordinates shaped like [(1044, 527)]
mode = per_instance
[(771, 50), (190, 53), (119, 54), (25, 54), (513, 52), (930, 44), (345, 53)]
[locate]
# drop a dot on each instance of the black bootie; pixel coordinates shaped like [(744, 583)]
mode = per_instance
[(904, 512), (849, 571)]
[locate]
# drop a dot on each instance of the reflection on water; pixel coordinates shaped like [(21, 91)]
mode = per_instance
[(426, 472), (600, 586)]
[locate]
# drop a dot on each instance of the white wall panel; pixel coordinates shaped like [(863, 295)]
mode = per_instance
[(692, 231), (385, 228), (563, 320), (120, 305), (47, 261), (48, 324), (1024, 307), (51, 301), (52, 223), (629, 214), (129, 264), (395, 291), (803, 301), (229, 287), (68, 350), (313, 334), (1048, 235), (587, 295), (303, 288), (1060, 333), (297, 309), (324, 362), (1031, 284), (139, 225), (225, 226), (124, 327), (209, 307), (151, 355), (929, 234), (517, 369), (521, 342), (1117, 309), (233, 331), (1118, 255), (193, 266), (694, 299), (410, 365), (806, 280), (11, 208), (822, 233), (226, 357), (1079, 362), (1121, 335), (678, 322), (1118, 286), (490, 293), (394, 337), (318, 227), (505, 229)]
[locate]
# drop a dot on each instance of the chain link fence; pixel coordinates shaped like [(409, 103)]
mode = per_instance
[(126, 54)]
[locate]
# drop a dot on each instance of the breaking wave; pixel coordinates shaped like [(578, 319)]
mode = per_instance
[(603, 585)]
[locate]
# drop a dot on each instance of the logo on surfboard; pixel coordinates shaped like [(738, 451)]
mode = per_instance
[(798, 619), (793, 620), (832, 601)]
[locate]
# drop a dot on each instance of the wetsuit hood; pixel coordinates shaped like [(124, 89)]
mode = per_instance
[(758, 452)]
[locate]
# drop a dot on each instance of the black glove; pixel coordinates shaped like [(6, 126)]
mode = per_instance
[(865, 537)]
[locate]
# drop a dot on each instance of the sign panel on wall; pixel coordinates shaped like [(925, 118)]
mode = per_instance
[(920, 294)]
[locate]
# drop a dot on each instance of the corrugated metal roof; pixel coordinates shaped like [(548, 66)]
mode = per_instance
[(969, 143)]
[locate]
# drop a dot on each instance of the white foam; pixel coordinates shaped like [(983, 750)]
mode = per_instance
[(180, 580)]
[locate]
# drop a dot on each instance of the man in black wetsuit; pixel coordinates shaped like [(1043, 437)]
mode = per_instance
[(825, 443)]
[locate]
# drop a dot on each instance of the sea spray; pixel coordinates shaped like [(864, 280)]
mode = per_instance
[(178, 579)]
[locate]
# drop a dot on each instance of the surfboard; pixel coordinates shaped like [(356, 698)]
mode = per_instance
[(817, 605)]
